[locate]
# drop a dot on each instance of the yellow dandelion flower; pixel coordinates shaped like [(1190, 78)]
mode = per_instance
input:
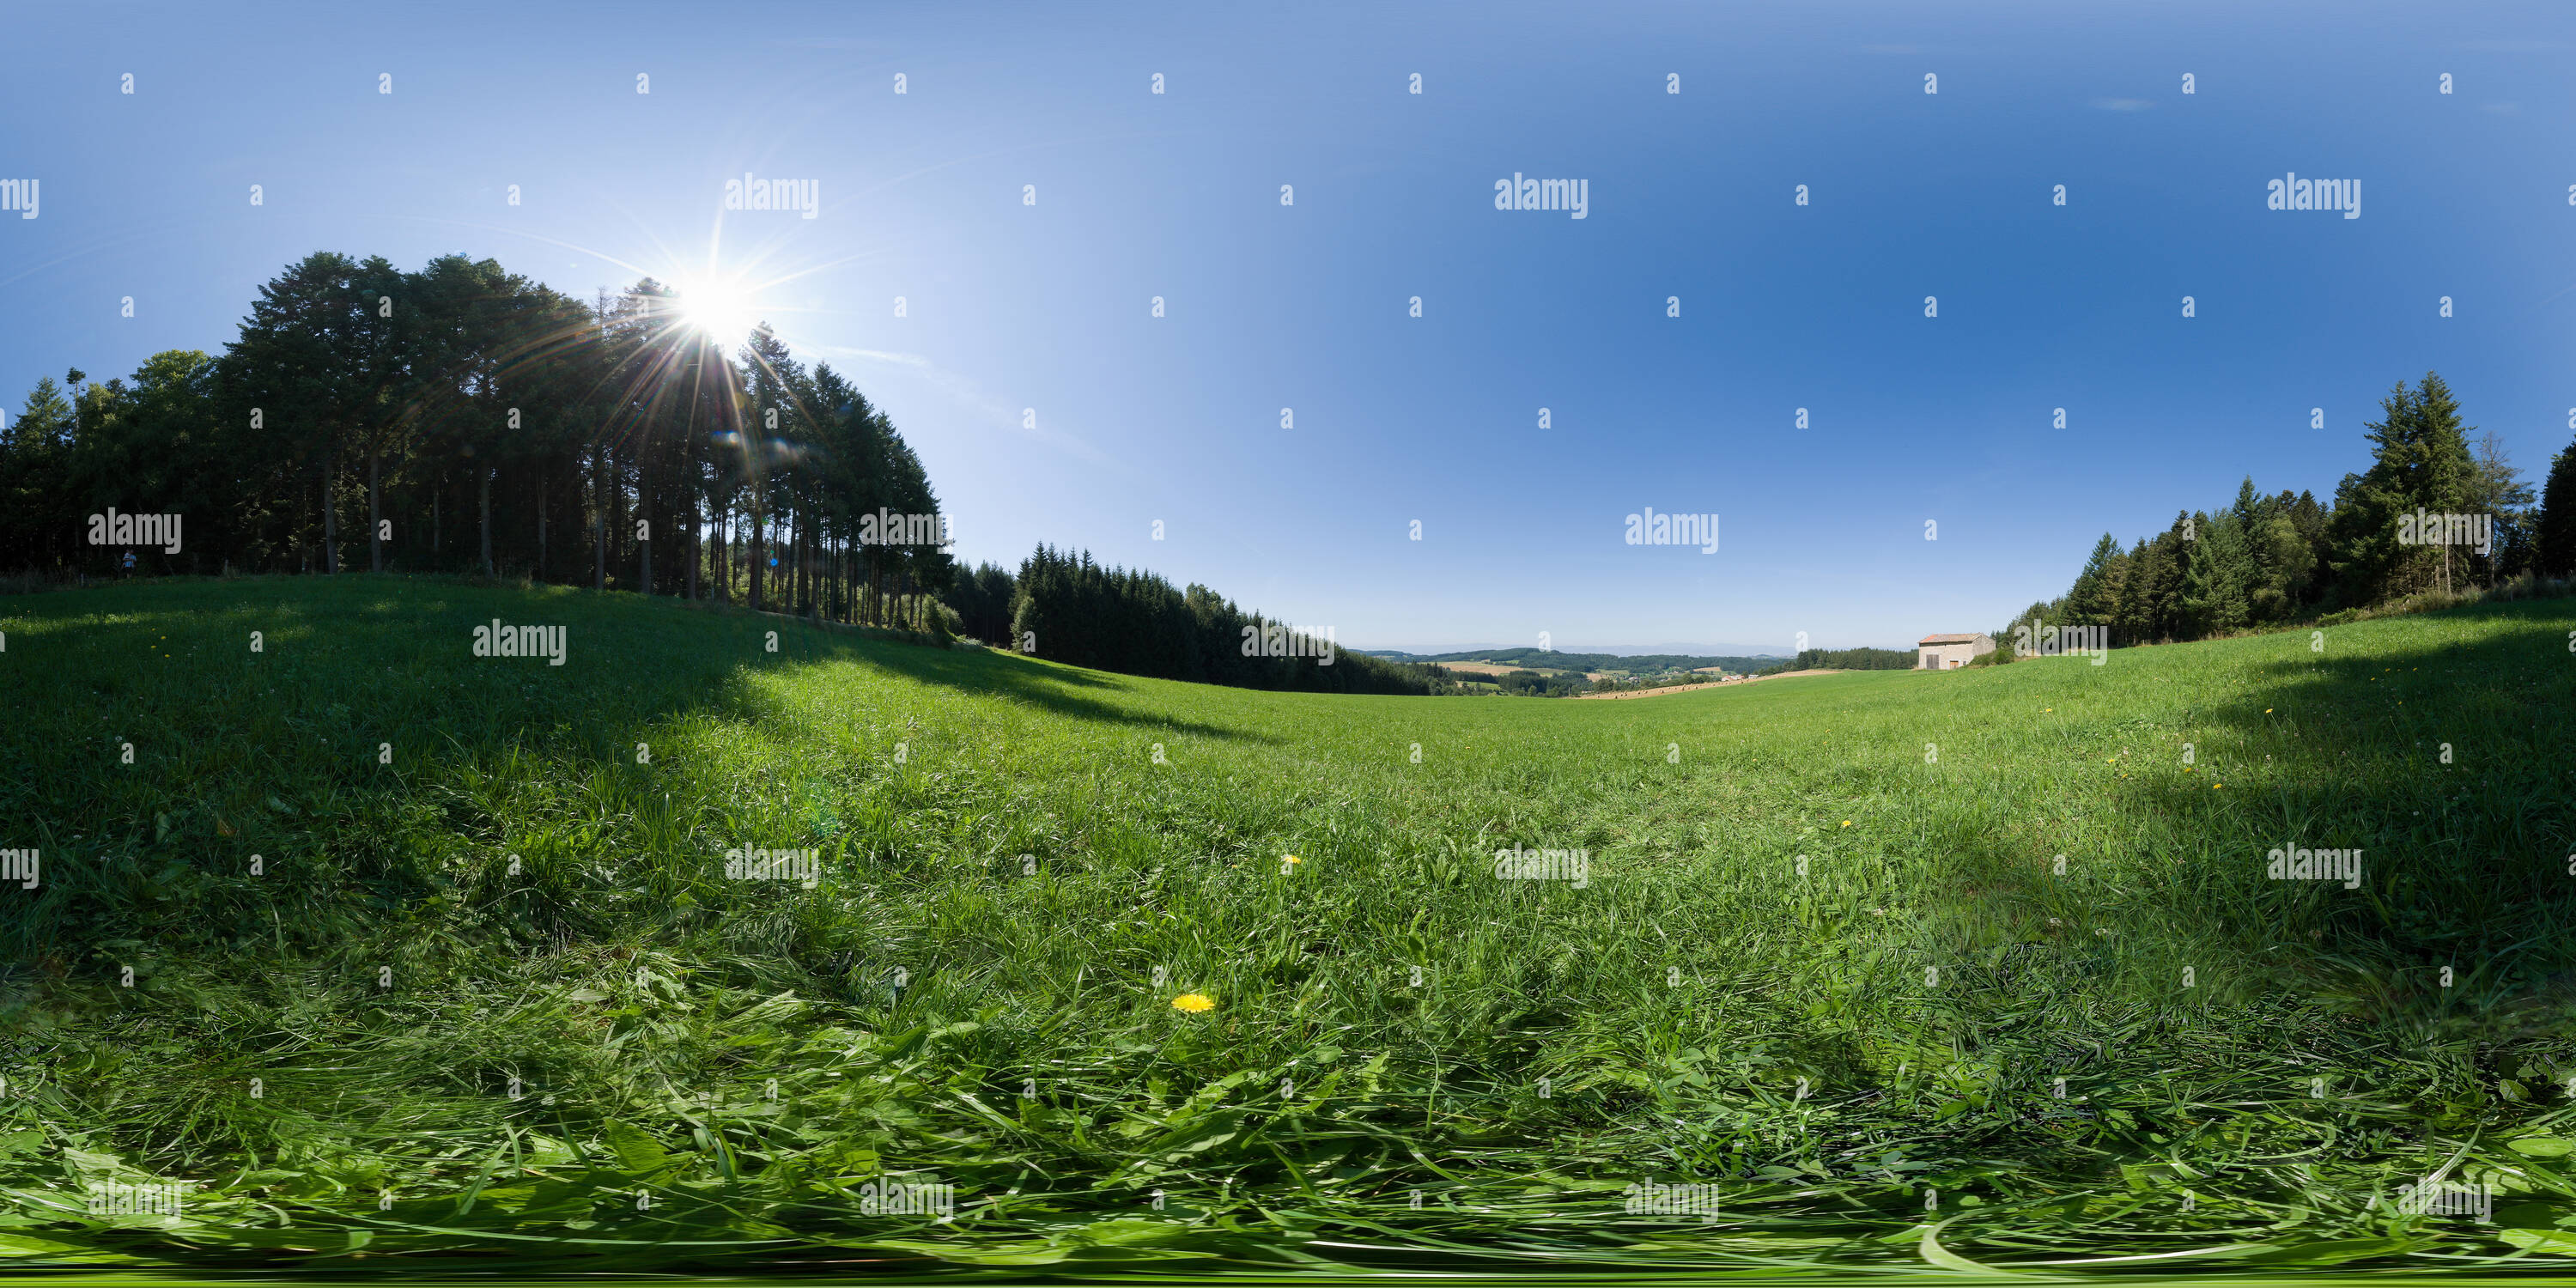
[(1194, 1003), (1294, 859), (1847, 822), (2267, 711)]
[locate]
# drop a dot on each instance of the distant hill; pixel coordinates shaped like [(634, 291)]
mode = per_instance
[(1678, 648), (1553, 660)]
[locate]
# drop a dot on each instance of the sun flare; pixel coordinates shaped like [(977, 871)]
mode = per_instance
[(723, 313)]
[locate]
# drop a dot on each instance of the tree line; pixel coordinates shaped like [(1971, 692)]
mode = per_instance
[(2269, 560), (1848, 659), (1070, 608), (462, 418)]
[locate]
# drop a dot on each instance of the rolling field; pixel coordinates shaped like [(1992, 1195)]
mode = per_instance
[(489, 988)]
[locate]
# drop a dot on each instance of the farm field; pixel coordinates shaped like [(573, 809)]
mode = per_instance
[(377, 944)]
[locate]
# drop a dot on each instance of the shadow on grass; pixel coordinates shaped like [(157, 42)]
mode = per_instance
[(154, 751), (2442, 751), (993, 673)]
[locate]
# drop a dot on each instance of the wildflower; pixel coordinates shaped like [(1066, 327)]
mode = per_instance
[(1194, 1003), (1294, 859), (1847, 822)]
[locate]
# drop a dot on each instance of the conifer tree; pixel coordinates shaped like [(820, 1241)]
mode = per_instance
[(2556, 538)]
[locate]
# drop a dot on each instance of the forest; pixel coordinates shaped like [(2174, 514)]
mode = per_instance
[(461, 418), (2266, 561)]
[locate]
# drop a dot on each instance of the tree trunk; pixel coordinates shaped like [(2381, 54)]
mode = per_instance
[(330, 518), (644, 517), (599, 524)]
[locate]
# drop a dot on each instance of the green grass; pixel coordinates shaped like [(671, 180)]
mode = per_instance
[(748, 1055)]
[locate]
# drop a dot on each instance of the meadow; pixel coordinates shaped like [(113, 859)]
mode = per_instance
[(395, 953)]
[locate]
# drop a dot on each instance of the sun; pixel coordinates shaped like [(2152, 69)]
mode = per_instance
[(721, 312)]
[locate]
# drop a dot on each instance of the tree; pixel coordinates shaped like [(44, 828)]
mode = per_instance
[(2555, 536), (2094, 600), (2217, 571), (36, 517), (2420, 463), (2496, 490)]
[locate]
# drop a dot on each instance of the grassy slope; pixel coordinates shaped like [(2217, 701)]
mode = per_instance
[(904, 1006)]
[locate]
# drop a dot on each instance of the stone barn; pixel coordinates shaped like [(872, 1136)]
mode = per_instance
[(1947, 652)]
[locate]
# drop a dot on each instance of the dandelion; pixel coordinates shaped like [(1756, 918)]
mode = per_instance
[(1293, 859), (1194, 1003), (1847, 822)]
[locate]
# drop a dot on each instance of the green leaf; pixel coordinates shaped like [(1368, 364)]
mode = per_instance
[(2327, 1252), (641, 1154), (2542, 1146), (19, 1245), (2558, 1241)]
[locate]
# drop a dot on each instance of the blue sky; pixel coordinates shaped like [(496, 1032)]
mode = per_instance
[(1046, 307)]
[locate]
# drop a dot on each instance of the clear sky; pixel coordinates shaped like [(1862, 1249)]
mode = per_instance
[(1267, 306)]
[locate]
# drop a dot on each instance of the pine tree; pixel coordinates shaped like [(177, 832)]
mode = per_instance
[(2420, 462), (36, 514), (2216, 574), (2556, 538), (2094, 599)]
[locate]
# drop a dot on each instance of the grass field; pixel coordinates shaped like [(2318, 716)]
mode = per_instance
[(1821, 954)]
